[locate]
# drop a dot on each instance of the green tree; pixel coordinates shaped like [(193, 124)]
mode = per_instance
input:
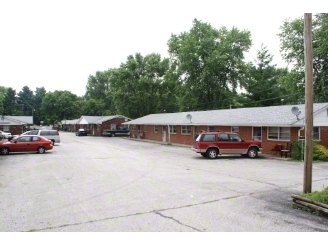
[(209, 64), (93, 107), (262, 81), (25, 99), (40, 93), (10, 105), (3, 92), (98, 88), (292, 50), (136, 85), (60, 105)]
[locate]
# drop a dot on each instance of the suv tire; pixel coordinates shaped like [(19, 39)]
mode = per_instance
[(252, 153), (212, 153)]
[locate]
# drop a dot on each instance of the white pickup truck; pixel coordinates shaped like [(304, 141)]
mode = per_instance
[(5, 135)]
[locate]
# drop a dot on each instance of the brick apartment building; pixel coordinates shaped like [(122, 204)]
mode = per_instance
[(271, 125)]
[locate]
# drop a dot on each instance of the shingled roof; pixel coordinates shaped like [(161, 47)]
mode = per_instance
[(16, 120), (86, 120), (256, 116)]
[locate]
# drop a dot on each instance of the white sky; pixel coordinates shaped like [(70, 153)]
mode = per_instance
[(59, 43)]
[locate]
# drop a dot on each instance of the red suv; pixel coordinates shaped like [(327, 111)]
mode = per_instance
[(212, 144)]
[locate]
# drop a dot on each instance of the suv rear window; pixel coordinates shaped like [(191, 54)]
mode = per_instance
[(208, 137), (224, 137), (44, 133), (54, 132)]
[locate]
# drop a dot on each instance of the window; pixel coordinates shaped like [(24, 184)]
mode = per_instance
[(133, 127), (156, 129), (316, 133), (6, 128), (54, 133), (235, 129), (186, 130), (278, 133), (257, 133), (34, 132), (235, 138), (35, 139), (208, 137), (24, 139), (210, 128), (145, 128), (173, 129), (45, 133), (224, 137), (113, 126)]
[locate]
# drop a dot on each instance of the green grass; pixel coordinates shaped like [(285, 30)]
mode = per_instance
[(317, 196)]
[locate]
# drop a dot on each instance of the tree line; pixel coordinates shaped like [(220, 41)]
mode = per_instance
[(206, 69)]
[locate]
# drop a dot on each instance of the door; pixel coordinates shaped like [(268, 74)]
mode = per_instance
[(164, 133), (23, 144)]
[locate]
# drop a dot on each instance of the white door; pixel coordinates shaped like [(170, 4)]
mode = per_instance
[(164, 133)]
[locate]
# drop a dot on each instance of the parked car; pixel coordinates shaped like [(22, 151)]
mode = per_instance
[(52, 135), (5, 135), (26, 143), (212, 144), (81, 132)]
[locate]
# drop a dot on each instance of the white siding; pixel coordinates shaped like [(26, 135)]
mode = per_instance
[(321, 118)]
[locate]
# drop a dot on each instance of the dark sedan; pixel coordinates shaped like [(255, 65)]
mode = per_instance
[(81, 132)]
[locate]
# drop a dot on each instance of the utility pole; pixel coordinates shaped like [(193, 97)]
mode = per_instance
[(308, 59)]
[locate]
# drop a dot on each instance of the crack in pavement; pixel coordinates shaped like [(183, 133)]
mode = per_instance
[(158, 211), (171, 218), (136, 214)]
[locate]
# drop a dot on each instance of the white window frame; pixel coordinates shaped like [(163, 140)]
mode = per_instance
[(233, 129), (279, 132), (173, 129), (185, 130), (113, 126), (210, 130), (156, 128), (133, 127), (255, 137), (6, 128)]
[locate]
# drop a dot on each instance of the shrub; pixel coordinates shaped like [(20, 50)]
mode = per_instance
[(320, 153), (297, 150)]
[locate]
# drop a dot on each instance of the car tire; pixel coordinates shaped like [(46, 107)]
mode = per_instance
[(4, 151), (203, 154), (53, 142), (212, 153), (41, 150), (252, 153)]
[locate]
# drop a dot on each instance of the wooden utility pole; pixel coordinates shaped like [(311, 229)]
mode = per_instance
[(308, 58)]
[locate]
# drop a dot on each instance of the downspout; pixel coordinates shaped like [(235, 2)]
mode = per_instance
[(168, 128), (302, 140)]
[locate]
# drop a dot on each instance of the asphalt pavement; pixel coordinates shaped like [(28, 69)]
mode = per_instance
[(104, 184)]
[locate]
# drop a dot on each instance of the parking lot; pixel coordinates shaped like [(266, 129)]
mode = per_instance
[(115, 184)]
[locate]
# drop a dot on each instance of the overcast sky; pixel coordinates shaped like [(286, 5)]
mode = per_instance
[(58, 44)]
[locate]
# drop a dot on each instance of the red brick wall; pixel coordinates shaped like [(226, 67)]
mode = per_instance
[(15, 130), (324, 136), (106, 125)]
